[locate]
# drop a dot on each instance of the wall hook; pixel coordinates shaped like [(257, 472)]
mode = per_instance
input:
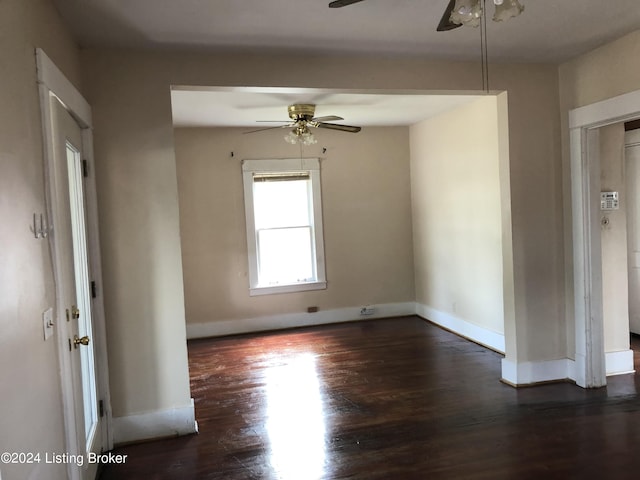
[(39, 228)]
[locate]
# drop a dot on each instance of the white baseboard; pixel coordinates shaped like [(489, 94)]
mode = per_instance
[(528, 373), (483, 336), (619, 363), (292, 320), (157, 424)]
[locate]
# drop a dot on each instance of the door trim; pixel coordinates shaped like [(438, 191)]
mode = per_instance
[(584, 123), (54, 86)]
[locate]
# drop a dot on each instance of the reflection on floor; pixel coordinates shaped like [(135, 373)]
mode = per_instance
[(295, 419), (385, 399)]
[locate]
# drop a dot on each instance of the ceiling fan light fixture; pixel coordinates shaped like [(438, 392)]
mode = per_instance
[(467, 12), (300, 135), (508, 9)]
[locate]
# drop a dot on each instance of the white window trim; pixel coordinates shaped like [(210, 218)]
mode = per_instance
[(311, 165)]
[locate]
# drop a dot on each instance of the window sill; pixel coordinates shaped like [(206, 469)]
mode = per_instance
[(297, 287)]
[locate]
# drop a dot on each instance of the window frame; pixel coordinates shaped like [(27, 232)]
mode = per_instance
[(284, 165)]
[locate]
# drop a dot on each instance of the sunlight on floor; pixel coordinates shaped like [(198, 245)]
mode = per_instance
[(295, 419)]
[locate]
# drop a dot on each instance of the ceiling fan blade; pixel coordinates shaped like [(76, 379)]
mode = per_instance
[(445, 22), (342, 128), (342, 3), (329, 118), (267, 128)]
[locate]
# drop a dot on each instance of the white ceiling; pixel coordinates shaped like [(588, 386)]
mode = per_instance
[(548, 31), (246, 107)]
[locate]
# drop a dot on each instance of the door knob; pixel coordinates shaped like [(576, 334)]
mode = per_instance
[(80, 341)]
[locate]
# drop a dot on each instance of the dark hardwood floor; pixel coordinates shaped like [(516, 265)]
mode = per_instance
[(385, 399)]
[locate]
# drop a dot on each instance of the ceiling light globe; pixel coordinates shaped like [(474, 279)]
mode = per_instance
[(291, 138), (508, 9), (307, 138), (467, 12)]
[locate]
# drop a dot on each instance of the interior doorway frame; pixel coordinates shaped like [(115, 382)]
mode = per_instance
[(52, 84), (584, 145)]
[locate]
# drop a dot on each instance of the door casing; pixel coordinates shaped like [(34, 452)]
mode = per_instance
[(584, 122), (53, 85)]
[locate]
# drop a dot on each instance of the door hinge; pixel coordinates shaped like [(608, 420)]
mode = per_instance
[(101, 408), (94, 293), (85, 168)]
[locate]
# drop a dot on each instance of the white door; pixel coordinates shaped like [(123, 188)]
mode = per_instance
[(632, 156), (71, 238)]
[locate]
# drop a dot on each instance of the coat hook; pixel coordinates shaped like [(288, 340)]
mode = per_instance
[(39, 229), (324, 149)]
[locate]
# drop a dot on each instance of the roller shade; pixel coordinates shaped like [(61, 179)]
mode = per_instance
[(281, 176)]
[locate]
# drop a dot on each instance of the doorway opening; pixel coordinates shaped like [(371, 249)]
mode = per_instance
[(632, 183), (389, 171), (585, 124)]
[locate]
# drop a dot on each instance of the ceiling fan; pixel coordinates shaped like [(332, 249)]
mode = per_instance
[(462, 12), (302, 118)]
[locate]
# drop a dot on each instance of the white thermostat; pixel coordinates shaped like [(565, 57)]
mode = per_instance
[(609, 201)]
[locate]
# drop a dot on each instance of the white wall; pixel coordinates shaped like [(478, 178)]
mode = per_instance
[(30, 397), (457, 216), (366, 217)]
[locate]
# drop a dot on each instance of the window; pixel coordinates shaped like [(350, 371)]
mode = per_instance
[(284, 225)]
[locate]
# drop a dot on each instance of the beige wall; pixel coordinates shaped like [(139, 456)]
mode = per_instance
[(31, 413), (615, 300), (137, 193), (366, 211), (140, 241), (598, 75), (457, 224), (603, 73)]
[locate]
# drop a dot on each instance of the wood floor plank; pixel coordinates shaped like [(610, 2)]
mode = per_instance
[(385, 399)]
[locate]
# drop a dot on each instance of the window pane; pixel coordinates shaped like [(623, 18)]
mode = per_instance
[(281, 204), (285, 256), (284, 225)]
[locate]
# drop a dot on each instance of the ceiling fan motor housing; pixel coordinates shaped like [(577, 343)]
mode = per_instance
[(301, 111)]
